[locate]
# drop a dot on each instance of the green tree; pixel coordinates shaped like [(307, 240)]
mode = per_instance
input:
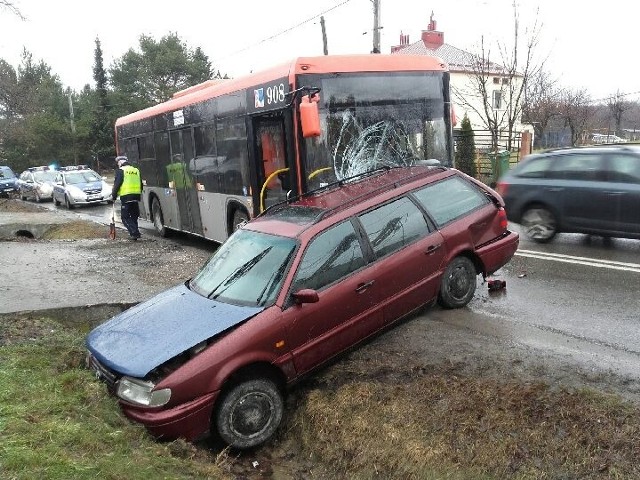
[(153, 74), (35, 115), (102, 126), (466, 149)]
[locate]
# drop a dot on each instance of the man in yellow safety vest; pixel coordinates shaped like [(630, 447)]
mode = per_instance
[(128, 186)]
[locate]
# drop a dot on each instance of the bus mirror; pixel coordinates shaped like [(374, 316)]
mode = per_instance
[(454, 118), (310, 116)]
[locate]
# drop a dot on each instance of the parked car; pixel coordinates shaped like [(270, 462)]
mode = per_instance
[(36, 183), (7, 181), (592, 190), (292, 289), (79, 185)]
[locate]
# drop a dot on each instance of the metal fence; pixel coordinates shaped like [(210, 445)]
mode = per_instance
[(484, 151)]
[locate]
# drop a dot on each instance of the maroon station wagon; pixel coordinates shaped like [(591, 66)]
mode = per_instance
[(292, 289)]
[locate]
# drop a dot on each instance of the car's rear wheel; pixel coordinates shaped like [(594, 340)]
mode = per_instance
[(37, 197), (158, 219), (249, 413), (55, 201), (458, 284), (539, 224)]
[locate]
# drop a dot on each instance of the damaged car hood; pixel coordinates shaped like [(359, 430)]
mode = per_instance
[(145, 336)]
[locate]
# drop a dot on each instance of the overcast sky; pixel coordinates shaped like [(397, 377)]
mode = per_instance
[(586, 47)]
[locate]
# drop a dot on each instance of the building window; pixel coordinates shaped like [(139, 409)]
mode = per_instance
[(505, 81), (497, 99), (496, 80)]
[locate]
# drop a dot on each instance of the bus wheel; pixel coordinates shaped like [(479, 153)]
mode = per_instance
[(158, 220), (239, 218)]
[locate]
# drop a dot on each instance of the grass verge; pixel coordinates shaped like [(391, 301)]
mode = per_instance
[(355, 420)]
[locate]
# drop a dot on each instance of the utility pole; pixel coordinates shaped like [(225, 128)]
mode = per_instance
[(376, 26), (324, 36)]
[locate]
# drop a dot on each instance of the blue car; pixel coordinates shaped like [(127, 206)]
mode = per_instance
[(8, 181)]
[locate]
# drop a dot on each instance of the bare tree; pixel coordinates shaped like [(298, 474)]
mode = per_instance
[(11, 7), (618, 106), (541, 101), (501, 86), (577, 111)]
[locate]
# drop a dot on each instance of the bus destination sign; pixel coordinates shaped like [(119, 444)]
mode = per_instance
[(269, 96)]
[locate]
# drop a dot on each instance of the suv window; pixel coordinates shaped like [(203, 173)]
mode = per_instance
[(624, 168), (450, 199), (393, 226), (534, 168), (577, 166), (330, 256)]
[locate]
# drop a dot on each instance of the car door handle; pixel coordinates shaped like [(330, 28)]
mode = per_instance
[(363, 286), (432, 248)]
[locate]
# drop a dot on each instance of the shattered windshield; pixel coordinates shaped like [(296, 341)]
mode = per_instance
[(376, 120), (248, 269)]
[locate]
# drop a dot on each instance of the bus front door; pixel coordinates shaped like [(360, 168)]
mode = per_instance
[(275, 177), (183, 181)]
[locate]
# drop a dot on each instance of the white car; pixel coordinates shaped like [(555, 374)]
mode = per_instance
[(36, 183), (80, 186)]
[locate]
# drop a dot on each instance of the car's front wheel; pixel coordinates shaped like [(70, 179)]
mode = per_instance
[(458, 284), (539, 224), (67, 203), (249, 413)]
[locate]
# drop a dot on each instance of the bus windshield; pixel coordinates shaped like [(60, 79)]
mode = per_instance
[(373, 120)]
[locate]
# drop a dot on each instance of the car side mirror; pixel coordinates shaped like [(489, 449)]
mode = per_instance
[(306, 295)]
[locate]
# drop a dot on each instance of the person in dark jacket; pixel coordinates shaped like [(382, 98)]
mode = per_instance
[(128, 186)]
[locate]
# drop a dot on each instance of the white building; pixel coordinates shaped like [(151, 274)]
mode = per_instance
[(463, 68)]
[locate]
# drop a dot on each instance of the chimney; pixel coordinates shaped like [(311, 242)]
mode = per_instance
[(431, 37), (404, 41)]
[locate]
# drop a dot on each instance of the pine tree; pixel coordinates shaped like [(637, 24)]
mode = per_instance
[(466, 149), (102, 139)]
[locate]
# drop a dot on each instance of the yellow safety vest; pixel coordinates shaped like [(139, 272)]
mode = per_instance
[(131, 182)]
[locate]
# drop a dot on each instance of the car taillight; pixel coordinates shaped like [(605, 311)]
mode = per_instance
[(502, 218), (501, 188)]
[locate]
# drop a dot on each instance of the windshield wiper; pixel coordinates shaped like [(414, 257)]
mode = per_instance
[(237, 273), (273, 280)]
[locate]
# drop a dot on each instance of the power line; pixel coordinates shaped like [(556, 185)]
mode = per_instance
[(287, 30)]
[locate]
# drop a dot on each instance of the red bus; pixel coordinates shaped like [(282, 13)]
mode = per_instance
[(218, 153)]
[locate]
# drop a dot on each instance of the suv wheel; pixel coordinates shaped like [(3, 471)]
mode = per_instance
[(249, 413), (539, 224)]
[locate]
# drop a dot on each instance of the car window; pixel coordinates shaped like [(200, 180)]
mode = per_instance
[(624, 168), (392, 226), (247, 269), (44, 176), (450, 199), (533, 168), (330, 256), (577, 166)]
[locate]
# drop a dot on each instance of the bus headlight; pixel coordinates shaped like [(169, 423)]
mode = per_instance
[(142, 393)]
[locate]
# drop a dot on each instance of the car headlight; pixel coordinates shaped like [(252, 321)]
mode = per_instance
[(142, 393)]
